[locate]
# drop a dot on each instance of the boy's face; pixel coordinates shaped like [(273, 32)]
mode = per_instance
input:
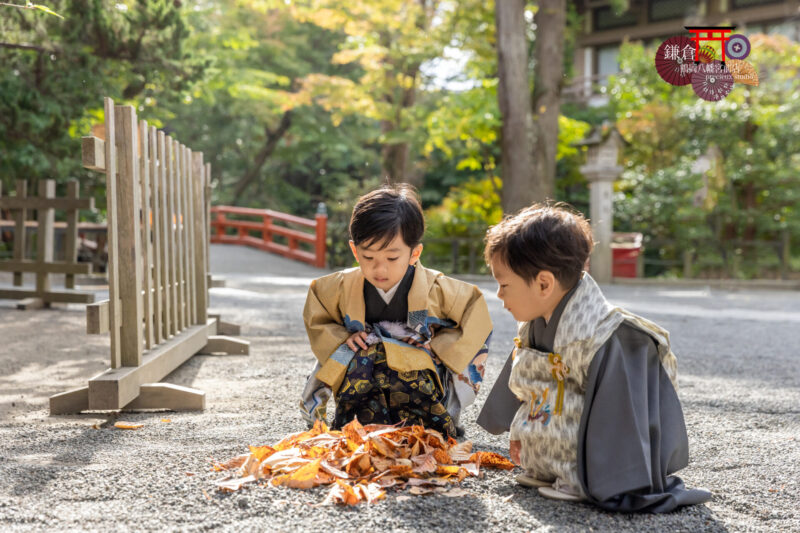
[(384, 268), (526, 301)]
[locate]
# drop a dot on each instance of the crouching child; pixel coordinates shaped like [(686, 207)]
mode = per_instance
[(590, 392), (395, 342)]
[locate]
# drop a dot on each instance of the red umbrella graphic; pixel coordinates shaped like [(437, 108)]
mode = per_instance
[(712, 81), (674, 61)]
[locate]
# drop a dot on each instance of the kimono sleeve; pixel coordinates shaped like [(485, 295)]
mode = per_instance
[(322, 318), (464, 304)]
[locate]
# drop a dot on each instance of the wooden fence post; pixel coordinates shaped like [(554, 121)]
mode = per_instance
[(130, 239), (157, 270), (200, 238), (786, 253), (20, 232), (687, 263), (320, 245), (45, 205), (71, 236)]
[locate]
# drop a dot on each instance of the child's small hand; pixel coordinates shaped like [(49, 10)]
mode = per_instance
[(513, 451), (358, 338), (426, 346)]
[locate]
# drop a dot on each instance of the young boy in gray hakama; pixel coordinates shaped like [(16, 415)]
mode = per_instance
[(589, 394)]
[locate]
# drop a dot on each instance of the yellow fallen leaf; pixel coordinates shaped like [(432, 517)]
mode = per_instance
[(127, 425), (455, 493), (461, 452), (304, 477), (424, 464), (382, 464), (442, 457), (166, 420), (491, 459), (371, 492), (325, 465), (471, 468), (354, 432), (232, 485), (261, 452), (341, 492), (447, 470), (236, 462), (437, 481)]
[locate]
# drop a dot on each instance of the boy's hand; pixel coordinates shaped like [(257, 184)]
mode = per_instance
[(426, 346), (357, 341), (513, 451)]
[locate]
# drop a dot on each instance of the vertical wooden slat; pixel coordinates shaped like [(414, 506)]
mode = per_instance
[(146, 228), (20, 232), (185, 249), (173, 240), (155, 190), (130, 242), (166, 264), (71, 235), (112, 232), (192, 310), (200, 239), (176, 184), (182, 232), (44, 235), (207, 194)]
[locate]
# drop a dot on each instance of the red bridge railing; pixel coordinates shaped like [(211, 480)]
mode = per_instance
[(261, 222)]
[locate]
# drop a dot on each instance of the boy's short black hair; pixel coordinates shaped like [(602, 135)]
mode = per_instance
[(555, 238), (380, 215)]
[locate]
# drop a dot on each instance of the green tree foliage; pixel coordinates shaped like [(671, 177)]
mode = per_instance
[(269, 144), (748, 188), (57, 70)]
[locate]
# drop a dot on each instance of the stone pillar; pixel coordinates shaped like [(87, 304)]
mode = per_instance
[(601, 202), (601, 170)]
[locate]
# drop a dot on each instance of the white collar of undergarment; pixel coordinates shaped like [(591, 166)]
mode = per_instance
[(388, 295)]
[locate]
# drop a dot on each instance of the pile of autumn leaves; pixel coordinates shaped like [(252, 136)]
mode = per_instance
[(360, 462)]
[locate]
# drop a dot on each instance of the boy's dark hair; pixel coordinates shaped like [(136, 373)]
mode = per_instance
[(555, 238), (380, 215)]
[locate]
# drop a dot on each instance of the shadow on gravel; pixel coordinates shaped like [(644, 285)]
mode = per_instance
[(35, 470), (564, 516)]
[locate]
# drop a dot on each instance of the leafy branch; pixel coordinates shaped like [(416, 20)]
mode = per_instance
[(31, 5)]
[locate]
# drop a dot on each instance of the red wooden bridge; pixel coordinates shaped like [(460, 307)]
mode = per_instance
[(262, 228)]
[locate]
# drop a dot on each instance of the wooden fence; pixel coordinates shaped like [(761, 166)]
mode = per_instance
[(157, 206), (724, 259), (91, 242), (43, 266), (263, 223)]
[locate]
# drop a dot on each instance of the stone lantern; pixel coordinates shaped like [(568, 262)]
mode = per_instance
[(601, 170)]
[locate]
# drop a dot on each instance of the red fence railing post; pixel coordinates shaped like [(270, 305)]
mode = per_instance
[(266, 233), (320, 246)]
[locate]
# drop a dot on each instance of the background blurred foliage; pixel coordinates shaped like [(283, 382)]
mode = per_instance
[(296, 103), (746, 194)]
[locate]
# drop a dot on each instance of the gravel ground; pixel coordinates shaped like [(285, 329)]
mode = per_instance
[(737, 353)]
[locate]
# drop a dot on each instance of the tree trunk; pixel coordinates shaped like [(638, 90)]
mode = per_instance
[(548, 75), (394, 160), (269, 146), (513, 95)]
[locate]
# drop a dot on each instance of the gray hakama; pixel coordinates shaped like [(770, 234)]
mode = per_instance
[(632, 435)]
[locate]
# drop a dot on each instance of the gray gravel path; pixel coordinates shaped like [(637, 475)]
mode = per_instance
[(738, 357)]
